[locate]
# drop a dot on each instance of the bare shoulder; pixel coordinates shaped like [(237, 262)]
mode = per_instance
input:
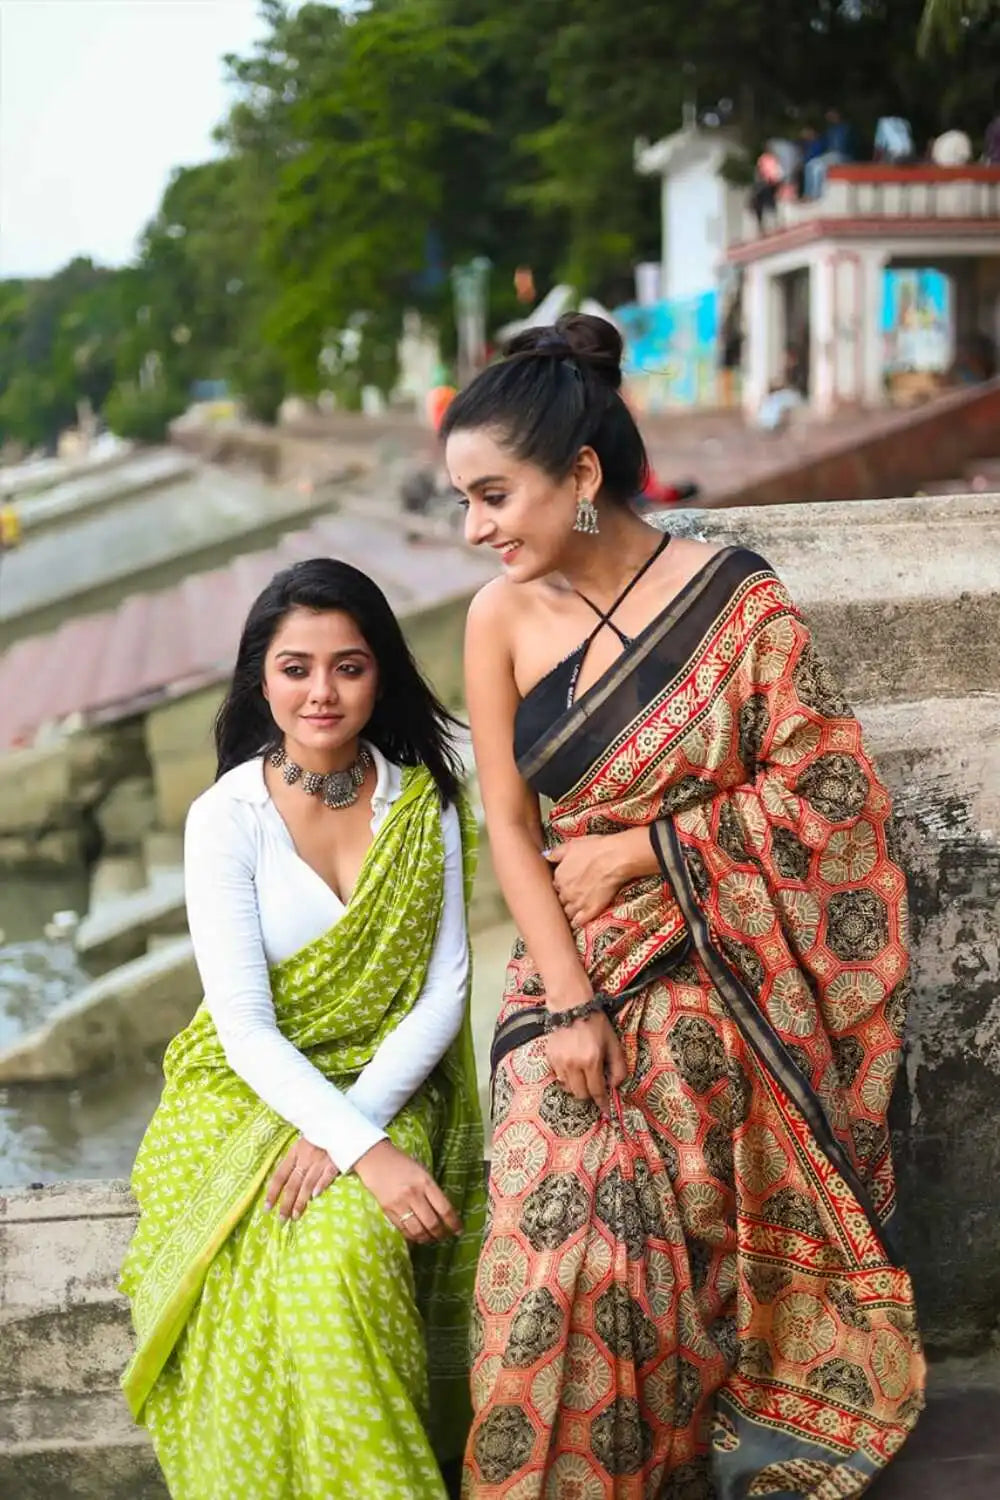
[(489, 624), (489, 601), (497, 604), (688, 556)]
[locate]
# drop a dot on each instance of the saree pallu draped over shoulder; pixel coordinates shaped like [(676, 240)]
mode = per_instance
[(318, 1357), (701, 1298)]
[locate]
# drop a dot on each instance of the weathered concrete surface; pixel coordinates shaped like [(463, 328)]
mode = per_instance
[(85, 491), (127, 1014), (895, 457), (48, 795), (197, 521), (26, 480), (119, 929), (903, 595), (941, 757), (64, 1427)]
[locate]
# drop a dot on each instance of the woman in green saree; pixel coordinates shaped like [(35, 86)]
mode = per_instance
[(310, 1187)]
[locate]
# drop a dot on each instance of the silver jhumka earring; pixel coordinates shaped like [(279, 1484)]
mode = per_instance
[(586, 516)]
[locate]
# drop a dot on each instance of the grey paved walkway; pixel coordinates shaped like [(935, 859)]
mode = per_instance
[(954, 1453)]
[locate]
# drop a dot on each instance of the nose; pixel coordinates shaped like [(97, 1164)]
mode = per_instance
[(478, 526), (323, 689)]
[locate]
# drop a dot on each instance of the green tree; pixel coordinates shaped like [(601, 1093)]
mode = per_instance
[(346, 116), (59, 344), (945, 22)]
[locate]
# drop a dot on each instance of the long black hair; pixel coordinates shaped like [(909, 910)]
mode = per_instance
[(556, 391), (409, 724)]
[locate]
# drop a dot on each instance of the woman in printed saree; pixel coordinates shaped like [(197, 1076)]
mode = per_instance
[(310, 1187), (690, 1284)]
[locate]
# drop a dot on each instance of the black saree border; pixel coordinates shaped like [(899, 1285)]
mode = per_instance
[(747, 566), (759, 1034)]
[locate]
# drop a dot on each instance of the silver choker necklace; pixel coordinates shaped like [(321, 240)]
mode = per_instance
[(335, 788)]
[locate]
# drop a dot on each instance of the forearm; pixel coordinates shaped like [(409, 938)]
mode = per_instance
[(526, 882), (631, 854)]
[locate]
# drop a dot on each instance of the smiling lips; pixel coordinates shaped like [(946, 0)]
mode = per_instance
[(507, 550)]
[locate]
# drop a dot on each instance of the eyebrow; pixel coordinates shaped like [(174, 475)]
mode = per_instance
[(337, 655), (478, 484)]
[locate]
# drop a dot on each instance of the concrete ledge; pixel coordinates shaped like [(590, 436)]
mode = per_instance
[(118, 930), (93, 490), (126, 1014), (34, 479), (903, 595), (941, 757)]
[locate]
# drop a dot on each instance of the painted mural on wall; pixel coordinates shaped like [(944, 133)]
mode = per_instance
[(917, 320), (671, 351)]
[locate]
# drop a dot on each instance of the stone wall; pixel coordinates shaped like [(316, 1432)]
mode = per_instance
[(53, 799), (904, 602)]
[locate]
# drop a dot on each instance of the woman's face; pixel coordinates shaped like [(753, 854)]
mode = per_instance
[(320, 681), (515, 507)]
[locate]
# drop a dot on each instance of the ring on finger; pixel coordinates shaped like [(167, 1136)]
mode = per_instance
[(410, 1214), (298, 1171)]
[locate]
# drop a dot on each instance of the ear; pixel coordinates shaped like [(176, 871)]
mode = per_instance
[(588, 474)]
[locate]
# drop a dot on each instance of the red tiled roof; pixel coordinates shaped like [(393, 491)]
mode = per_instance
[(163, 644)]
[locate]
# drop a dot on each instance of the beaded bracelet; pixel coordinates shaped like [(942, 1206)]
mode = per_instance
[(554, 1019)]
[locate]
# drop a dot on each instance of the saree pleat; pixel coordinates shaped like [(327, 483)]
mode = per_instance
[(317, 1358), (701, 1299)]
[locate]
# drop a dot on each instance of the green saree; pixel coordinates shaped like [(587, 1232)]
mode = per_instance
[(320, 1357)]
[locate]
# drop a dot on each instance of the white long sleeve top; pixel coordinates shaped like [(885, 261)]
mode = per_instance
[(253, 901)]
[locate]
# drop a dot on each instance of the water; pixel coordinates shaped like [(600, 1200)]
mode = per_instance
[(35, 978), (87, 1128), (90, 1128)]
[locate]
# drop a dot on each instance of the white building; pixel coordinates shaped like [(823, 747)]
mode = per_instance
[(816, 281), (701, 215)]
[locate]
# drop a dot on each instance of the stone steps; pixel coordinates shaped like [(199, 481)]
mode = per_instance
[(65, 1432), (118, 930)]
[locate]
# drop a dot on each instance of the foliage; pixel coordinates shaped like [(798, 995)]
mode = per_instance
[(143, 415), (946, 22), (373, 146), (59, 342)]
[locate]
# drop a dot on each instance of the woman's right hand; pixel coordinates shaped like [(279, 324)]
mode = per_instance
[(586, 1058), (407, 1194)]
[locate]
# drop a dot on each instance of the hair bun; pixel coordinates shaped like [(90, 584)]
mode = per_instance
[(593, 342)]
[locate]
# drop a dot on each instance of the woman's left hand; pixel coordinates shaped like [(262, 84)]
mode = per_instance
[(301, 1175), (587, 873)]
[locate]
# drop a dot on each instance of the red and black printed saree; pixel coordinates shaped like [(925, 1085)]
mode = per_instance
[(701, 1299)]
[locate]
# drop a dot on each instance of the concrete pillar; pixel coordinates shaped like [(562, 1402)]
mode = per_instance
[(822, 337), (873, 263), (664, 236), (764, 331)]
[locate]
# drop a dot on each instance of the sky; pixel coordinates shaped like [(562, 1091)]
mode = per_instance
[(99, 101)]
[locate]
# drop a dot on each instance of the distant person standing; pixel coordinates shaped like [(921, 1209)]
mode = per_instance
[(836, 148), (991, 142), (894, 141)]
